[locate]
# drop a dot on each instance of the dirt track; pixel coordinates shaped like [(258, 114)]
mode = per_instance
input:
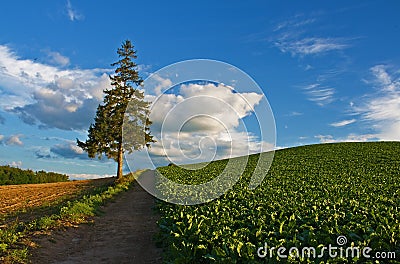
[(123, 234)]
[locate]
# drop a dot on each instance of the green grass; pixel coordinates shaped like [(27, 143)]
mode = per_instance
[(14, 237), (310, 196)]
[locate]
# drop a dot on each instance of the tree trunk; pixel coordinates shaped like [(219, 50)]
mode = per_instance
[(120, 163)]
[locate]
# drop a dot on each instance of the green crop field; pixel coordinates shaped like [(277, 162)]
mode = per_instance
[(310, 197)]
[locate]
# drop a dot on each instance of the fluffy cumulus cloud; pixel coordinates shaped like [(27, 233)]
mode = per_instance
[(48, 95), (382, 109), (210, 107), (162, 84), (13, 140), (201, 122), (58, 59), (16, 164)]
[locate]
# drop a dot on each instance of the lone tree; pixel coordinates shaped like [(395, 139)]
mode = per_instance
[(121, 123)]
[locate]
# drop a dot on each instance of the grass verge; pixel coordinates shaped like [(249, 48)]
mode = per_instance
[(15, 237)]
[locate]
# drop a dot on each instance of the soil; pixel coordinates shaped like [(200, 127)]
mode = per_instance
[(123, 233), (24, 196)]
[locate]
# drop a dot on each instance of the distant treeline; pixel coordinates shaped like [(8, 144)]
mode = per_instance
[(10, 175)]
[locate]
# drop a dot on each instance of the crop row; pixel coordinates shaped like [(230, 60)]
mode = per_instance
[(310, 197)]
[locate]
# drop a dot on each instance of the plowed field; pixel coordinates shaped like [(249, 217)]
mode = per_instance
[(18, 197)]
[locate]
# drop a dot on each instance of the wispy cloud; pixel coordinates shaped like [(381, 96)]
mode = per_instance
[(73, 14), (294, 113), (343, 123), (294, 23), (382, 109), (294, 38), (321, 95), (310, 46), (383, 79)]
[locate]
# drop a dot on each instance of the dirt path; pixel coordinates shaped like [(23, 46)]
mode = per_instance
[(124, 234)]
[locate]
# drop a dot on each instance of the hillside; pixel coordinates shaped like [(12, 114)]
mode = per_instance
[(310, 197)]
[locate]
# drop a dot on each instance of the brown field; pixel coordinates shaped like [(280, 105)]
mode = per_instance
[(15, 198)]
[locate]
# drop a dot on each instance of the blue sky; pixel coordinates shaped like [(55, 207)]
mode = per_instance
[(330, 70)]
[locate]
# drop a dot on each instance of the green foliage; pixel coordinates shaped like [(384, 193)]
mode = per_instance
[(310, 196), (10, 175), (112, 117)]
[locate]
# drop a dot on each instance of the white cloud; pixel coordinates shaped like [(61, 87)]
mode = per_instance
[(86, 176), (58, 59), (44, 94), (308, 67), (14, 140), (190, 147), (73, 15), (294, 113), (383, 79), (319, 94), (343, 123), (294, 23), (310, 46), (162, 83), (219, 102), (17, 164), (361, 138), (382, 109), (203, 122), (348, 138), (325, 138), (293, 38)]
